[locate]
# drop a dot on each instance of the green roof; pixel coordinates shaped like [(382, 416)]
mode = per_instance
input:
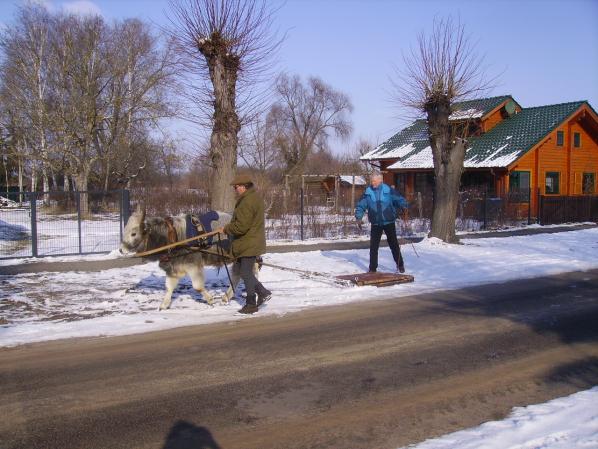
[(484, 105), (516, 135), (499, 147)]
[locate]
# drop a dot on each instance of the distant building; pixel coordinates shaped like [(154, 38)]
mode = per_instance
[(546, 150)]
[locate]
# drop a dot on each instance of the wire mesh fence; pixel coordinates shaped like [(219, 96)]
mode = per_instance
[(62, 223), (66, 223)]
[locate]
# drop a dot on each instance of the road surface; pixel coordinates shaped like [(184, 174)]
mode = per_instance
[(377, 374)]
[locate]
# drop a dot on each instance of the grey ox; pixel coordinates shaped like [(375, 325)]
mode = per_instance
[(142, 234)]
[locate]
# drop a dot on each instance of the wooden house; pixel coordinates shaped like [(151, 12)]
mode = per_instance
[(544, 150)]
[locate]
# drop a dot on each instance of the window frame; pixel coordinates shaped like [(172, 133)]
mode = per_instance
[(517, 195), (560, 138), (583, 183), (576, 140), (558, 182)]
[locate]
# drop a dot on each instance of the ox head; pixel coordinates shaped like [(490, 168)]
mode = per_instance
[(135, 233)]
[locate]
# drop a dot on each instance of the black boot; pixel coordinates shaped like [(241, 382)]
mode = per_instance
[(263, 294), (250, 305)]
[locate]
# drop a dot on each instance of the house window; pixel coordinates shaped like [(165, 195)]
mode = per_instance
[(552, 183), (519, 184), (400, 182), (577, 140), (560, 138), (424, 182), (588, 183)]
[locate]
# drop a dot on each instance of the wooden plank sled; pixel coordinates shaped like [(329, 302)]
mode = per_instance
[(377, 279)]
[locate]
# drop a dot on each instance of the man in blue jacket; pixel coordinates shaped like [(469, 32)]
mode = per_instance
[(382, 203)]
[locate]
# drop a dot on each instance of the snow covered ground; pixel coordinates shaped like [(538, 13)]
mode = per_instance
[(564, 423), (46, 306)]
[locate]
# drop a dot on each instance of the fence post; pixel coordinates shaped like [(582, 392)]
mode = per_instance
[(484, 207), (33, 209), (353, 195), (125, 209), (78, 195), (540, 208), (529, 206), (301, 213)]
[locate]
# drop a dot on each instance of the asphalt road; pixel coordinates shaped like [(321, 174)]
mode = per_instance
[(380, 374)]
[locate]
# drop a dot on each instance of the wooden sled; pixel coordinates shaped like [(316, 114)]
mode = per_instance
[(377, 279)]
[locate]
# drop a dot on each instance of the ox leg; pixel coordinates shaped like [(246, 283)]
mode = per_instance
[(198, 282), (171, 283)]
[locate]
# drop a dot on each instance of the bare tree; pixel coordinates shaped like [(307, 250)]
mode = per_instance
[(228, 45), (256, 145), (305, 117), (442, 69), (361, 148), (142, 74), (25, 45)]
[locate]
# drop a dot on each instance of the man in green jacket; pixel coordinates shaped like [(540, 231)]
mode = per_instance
[(248, 236)]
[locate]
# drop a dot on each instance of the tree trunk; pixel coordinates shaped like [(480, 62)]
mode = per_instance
[(5, 175), (448, 154), (33, 178), (81, 181), (224, 139), (446, 199), (21, 181)]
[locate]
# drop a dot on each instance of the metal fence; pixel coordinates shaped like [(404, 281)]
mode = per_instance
[(63, 223), (68, 223)]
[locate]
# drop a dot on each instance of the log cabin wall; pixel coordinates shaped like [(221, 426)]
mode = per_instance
[(495, 117), (562, 157)]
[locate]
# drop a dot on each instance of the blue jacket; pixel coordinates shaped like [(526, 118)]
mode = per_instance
[(382, 205)]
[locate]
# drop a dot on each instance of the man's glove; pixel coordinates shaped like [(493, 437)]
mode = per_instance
[(359, 225)]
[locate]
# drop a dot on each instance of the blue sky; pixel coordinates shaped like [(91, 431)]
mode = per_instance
[(544, 51)]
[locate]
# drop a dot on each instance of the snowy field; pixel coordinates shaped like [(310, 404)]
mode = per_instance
[(47, 306)]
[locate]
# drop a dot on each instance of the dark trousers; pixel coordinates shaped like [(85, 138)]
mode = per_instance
[(252, 285), (391, 236)]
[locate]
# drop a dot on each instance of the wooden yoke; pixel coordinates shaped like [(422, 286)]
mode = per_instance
[(175, 244)]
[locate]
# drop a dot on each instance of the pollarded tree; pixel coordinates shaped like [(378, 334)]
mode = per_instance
[(228, 45), (441, 70)]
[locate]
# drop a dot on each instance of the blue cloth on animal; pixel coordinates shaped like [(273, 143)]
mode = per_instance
[(206, 222), (382, 204)]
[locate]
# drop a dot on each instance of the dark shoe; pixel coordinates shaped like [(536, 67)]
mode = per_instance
[(371, 271), (248, 309), (401, 267), (263, 297), (250, 305)]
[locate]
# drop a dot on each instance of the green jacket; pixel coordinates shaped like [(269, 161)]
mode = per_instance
[(247, 225)]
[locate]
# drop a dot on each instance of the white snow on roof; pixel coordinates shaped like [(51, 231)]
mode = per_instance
[(422, 159), (501, 161), (359, 180), (397, 152), (425, 160), (466, 114), (371, 154)]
